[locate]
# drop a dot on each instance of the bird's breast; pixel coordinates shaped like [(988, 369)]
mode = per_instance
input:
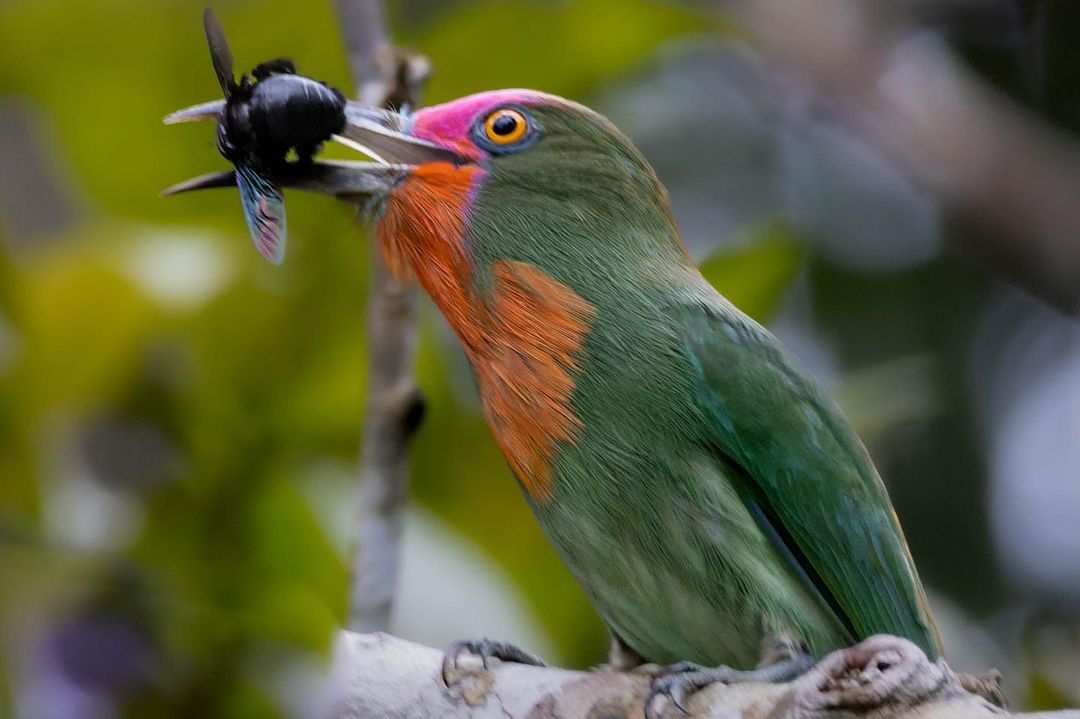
[(526, 365), (523, 336)]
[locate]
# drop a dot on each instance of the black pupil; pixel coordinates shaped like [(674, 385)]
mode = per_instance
[(504, 125)]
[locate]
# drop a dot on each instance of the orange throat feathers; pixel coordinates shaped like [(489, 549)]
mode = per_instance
[(523, 340)]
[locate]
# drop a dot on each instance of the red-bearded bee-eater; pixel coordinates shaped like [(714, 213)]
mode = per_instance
[(692, 476)]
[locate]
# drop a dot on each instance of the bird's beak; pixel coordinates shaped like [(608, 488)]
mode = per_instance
[(380, 134), (383, 134)]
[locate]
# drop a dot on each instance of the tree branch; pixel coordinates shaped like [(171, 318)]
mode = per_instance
[(381, 676), (387, 77)]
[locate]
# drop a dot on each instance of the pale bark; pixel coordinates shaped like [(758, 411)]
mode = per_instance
[(382, 677)]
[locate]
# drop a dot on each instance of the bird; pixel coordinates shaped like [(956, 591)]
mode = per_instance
[(694, 478)]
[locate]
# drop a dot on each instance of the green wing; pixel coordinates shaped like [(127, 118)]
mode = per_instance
[(806, 478)]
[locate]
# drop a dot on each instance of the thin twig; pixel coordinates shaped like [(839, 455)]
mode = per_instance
[(387, 77)]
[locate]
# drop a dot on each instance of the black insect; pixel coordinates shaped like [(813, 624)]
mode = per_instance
[(266, 116), (274, 111)]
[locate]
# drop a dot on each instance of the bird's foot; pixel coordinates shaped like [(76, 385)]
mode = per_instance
[(621, 658), (486, 650), (986, 685), (778, 645), (676, 682)]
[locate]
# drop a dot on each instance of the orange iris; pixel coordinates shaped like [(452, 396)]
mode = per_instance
[(505, 126)]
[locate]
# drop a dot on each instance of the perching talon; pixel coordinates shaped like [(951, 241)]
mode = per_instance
[(485, 649), (678, 681)]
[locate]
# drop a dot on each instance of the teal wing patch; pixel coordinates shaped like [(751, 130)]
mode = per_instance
[(808, 480)]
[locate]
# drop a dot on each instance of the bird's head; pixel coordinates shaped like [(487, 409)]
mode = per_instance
[(514, 175)]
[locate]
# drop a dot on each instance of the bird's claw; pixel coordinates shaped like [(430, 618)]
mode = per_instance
[(675, 683), (486, 649)]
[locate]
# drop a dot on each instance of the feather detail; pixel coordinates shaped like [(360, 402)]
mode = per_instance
[(522, 338)]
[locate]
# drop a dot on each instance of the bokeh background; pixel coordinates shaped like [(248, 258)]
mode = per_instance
[(180, 421)]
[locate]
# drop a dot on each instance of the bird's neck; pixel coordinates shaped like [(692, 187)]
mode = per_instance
[(522, 335)]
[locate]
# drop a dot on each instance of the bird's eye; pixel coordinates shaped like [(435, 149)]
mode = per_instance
[(505, 126)]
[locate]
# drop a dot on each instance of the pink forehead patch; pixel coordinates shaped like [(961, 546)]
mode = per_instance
[(449, 124)]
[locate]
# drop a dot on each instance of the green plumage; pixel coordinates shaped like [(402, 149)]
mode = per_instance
[(712, 485)]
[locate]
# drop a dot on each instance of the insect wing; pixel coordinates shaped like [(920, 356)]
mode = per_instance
[(264, 210), (220, 54)]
